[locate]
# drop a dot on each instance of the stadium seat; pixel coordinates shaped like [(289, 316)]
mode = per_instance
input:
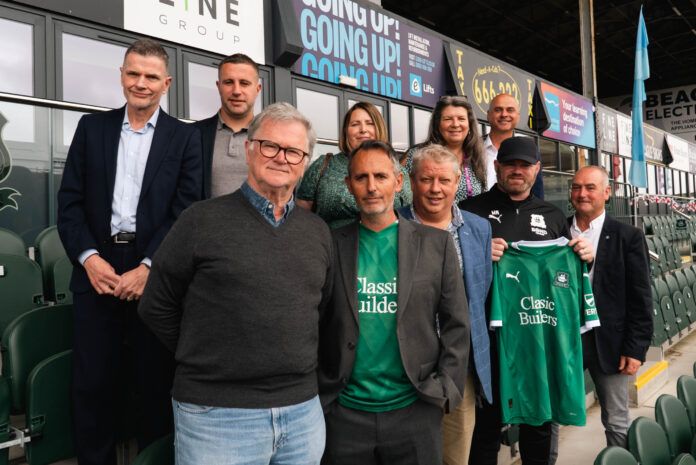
[(686, 392), (671, 414), (614, 455), (690, 276), (4, 418), (647, 225), (684, 459), (680, 310), (21, 287), (11, 243), (681, 278), (49, 410), (690, 303), (30, 339), (160, 452), (49, 249), (672, 283), (659, 335), (62, 271), (647, 442), (669, 317)]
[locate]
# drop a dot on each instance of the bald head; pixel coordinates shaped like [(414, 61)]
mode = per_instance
[(503, 113)]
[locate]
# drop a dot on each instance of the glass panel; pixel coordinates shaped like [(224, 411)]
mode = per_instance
[(617, 168), (398, 126), (203, 97), (583, 157), (24, 189), (549, 157), (652, 181), (321, 149), (91, 72), (682, 188), (556, 188), (567, 155), (258, 104), (17, 64), (319, 108), (669, 185), (605, 161), (421, 121), (352, 102)]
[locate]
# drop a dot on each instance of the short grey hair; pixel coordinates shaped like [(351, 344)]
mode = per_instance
[(438, 154), (376, 145), (601, 170), (283, 111)]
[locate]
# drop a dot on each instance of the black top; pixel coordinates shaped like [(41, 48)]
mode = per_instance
[(239, 302), (531, 219)]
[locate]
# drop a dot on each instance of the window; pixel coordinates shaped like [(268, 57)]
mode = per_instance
[(17, 64), (421, 121), (203, 97), (652, 181), (568, 158), (398, 126), (549, 154), (321, 109)]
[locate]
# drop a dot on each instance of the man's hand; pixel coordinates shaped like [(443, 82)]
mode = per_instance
[(132, 283), (101, 275), (498, 247), (628, 365), (583, 248)]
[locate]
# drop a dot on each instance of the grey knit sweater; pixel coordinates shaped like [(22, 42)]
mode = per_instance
[(239, 301)]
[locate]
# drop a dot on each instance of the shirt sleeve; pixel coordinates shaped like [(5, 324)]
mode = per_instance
[(310, 180), (588, 318), (496, 316)]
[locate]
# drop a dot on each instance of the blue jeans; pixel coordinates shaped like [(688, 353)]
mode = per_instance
[(292, 435)]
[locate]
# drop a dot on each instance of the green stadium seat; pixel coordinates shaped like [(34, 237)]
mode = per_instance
[(11, 243), (659, 335), (680, 310), (690, 300), (30, 339), (686, 392), (49, 249), (614, 455), (669, 317), (648, 225), (49, 411), (671, 414), (690, 276), (5, 400), (684, 459), (21, 287), (681, 278), (160, 452), (62, 271), (647, 442), (672, 283)]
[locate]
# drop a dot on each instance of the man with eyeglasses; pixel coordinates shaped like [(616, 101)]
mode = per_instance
[(236, 291)]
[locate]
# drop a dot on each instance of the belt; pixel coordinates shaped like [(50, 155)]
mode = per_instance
[(123, 238)]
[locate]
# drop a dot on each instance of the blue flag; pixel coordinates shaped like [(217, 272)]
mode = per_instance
[(638, 175)]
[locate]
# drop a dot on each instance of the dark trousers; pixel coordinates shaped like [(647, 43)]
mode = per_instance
[(408, 436), (535, 441), (103, 324)]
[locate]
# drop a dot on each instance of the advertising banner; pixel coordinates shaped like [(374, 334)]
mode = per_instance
[(692, 158), (624, 126), (480, 78), (571, 116), (383, 54), (680, 152), (220, 26), (607, 133), (673, 110), (653, 142)]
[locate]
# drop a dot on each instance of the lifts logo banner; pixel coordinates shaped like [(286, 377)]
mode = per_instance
[(384, 55), (222, 26)]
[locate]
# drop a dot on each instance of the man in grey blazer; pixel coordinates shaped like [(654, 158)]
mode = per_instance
[(394, 341)]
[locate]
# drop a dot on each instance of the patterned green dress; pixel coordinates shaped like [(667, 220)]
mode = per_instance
[(465, 190), (333, 203)]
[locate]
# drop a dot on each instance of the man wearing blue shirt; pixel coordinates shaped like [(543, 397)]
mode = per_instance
[(130, 172)]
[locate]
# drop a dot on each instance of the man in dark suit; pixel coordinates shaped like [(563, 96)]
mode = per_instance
[(620, 278), (224, 134), (394, 341), (130, 172)]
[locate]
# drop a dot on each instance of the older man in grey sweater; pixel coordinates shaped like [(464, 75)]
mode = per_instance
[(236, 291)]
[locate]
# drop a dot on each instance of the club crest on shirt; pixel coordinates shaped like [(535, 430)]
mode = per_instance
[(561, 279), (538, 224), (589, 300), (495, 215)]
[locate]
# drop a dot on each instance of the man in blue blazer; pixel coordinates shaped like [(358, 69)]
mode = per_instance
[(434, 179), (130, 172)]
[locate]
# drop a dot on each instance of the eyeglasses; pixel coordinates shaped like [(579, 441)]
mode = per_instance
[(270, 149)]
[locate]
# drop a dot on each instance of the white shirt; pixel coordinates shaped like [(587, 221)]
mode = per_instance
[(592, 234), (491, 155)]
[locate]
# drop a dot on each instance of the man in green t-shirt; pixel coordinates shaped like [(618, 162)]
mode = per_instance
[(394, 342)]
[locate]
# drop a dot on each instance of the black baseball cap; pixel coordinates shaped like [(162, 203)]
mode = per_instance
[(519, 148)]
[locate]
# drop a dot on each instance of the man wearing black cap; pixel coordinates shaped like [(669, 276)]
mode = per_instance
[(515, 215)]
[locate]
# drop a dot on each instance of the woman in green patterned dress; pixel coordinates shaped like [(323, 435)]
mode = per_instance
[(454, 126), (323, 188)]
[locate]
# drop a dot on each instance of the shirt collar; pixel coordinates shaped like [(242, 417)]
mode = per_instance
[(152, 122), (488, 142), (457, 217), (221, 124), (265, 206), (597, 223)]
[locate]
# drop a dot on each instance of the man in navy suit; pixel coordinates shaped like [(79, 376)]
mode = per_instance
[(130, 172), (224, 134)]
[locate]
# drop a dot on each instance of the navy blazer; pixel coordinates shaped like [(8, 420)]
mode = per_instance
[(171, 182), (475, 244), (621, 288), (208, 128)]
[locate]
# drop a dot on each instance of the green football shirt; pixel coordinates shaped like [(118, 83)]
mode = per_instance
[(378, 382), (541, 301)]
